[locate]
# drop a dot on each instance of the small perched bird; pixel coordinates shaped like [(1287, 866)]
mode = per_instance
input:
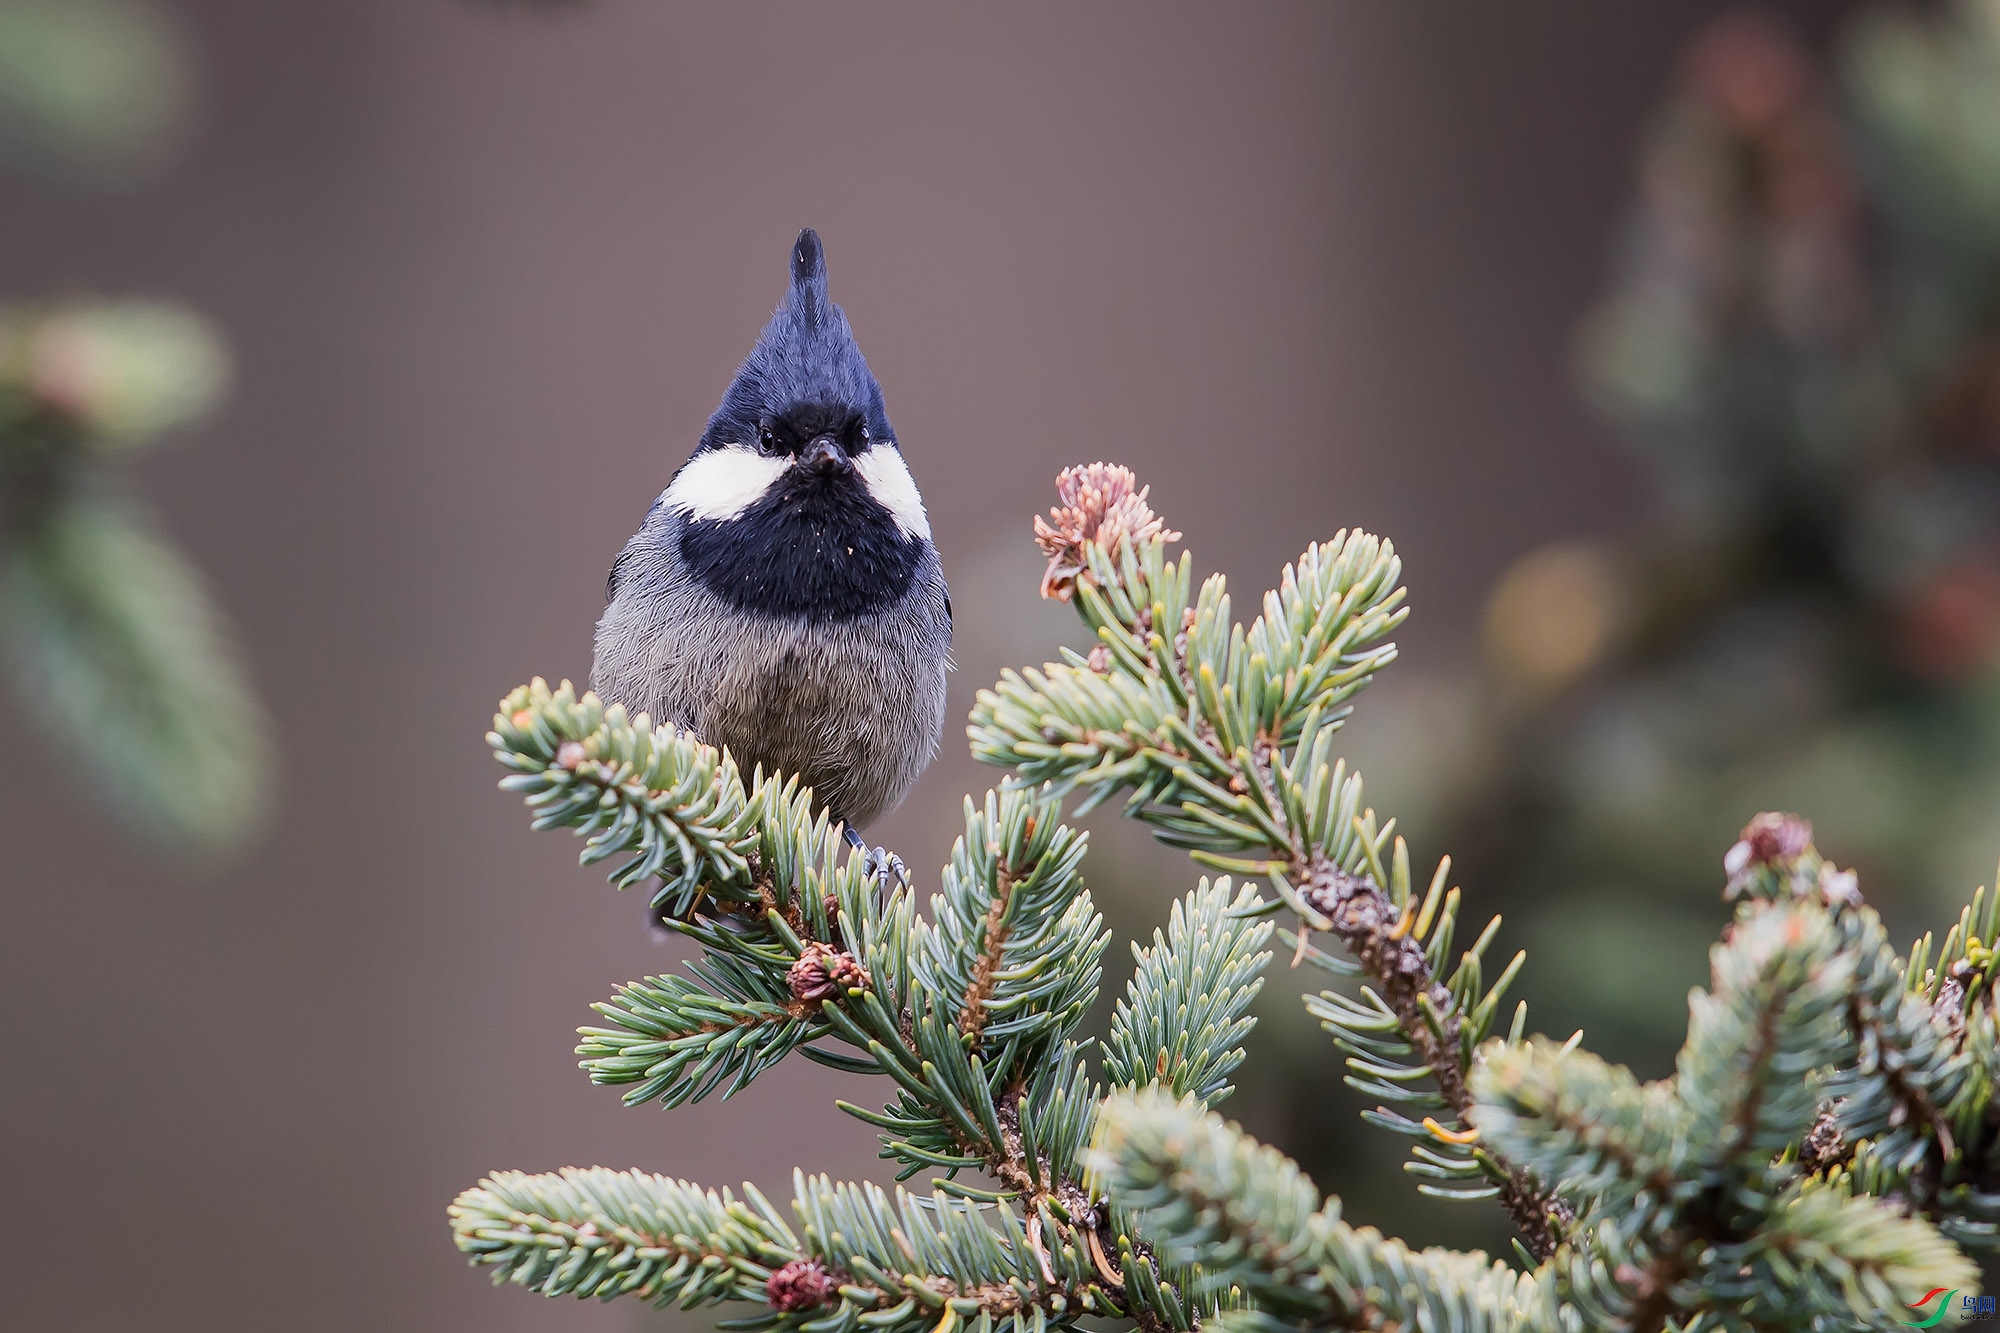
[(783, 599)]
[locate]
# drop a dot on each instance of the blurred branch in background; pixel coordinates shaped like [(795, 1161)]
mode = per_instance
[(99, 89), (110, 634), (1802, 343)]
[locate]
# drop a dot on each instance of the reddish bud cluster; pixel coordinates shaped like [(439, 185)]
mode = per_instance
[(824, 971), (1102, 505), (1768, 838), (802, 1284)]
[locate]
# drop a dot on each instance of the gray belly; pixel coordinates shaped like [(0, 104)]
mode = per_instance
[(853, 707)]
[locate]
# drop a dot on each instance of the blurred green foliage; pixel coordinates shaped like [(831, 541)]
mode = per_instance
[(114, 643), (95, 88), (110, 634), (1801, 344)]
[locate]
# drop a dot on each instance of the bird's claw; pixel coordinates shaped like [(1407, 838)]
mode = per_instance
[(879, 863)]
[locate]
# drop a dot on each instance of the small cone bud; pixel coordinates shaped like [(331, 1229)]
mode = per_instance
[(823, 972), (802, 1284), (1768, 838)]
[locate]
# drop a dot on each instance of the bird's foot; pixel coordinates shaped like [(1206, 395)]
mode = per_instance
[(880, 864)]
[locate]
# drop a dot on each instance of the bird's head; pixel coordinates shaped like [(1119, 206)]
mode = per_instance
[(803, 422)]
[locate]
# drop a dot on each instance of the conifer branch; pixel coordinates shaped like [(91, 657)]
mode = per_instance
[(1432, 1021), (1908, 1081), (969, 1014), (609, 1233), (1222, 736), (1015, 940), (1691, 1193), (1594, 1127), (676, 1039), (115, 641), (1185, 1012), (1212, 1196), (993, 933), (1697, 1201), (676, 809), (901, 1262)]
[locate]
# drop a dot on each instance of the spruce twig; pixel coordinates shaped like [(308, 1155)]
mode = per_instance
[(1208, 715), (1364, 919), (791, 964)]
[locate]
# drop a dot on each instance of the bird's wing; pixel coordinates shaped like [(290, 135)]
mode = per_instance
[(618, 566), (617, 573)]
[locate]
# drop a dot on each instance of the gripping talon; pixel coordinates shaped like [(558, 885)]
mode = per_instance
[(896, 866), (878, 862)]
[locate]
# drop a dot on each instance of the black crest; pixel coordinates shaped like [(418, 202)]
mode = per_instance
[(806, 354)]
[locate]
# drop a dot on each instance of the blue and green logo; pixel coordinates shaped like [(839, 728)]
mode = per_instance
[(1926, 1299)]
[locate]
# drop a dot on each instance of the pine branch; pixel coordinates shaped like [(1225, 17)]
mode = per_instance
[(1222, 736), (1907, 1082), (1843, 1258), (614, 1233), (677, 1039), (1439, 1023), (973, 1010), (969, 1016), (1966, 1211), (1243, 1216), (1211, 1198), (937, 1254), (1908, 1061), (1186, 1010), (1818, 1259), (1015, 938), (1756, 1039), (754, 877), (1692, 1197), (1699, 1202), (1568, 1116), (675, 808), (99, 377), (112, 635), (1748, 1076), (901, 1263)]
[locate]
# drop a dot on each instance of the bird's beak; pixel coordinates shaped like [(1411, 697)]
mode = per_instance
[(822, 455)]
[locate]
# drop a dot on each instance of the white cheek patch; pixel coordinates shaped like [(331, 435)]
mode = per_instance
[(722, 483), (887, 477)]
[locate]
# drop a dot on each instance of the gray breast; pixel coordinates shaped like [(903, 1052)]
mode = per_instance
[(854, 706)]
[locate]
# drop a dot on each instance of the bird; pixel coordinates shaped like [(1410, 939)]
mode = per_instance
[(783, 599)]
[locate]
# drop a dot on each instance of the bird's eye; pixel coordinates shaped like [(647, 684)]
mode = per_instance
[(766, 441), (866, 438)]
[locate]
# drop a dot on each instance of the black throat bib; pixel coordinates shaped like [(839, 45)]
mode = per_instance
[(818, 546)]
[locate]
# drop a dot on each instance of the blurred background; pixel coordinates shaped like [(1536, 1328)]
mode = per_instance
[(344, 342)]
